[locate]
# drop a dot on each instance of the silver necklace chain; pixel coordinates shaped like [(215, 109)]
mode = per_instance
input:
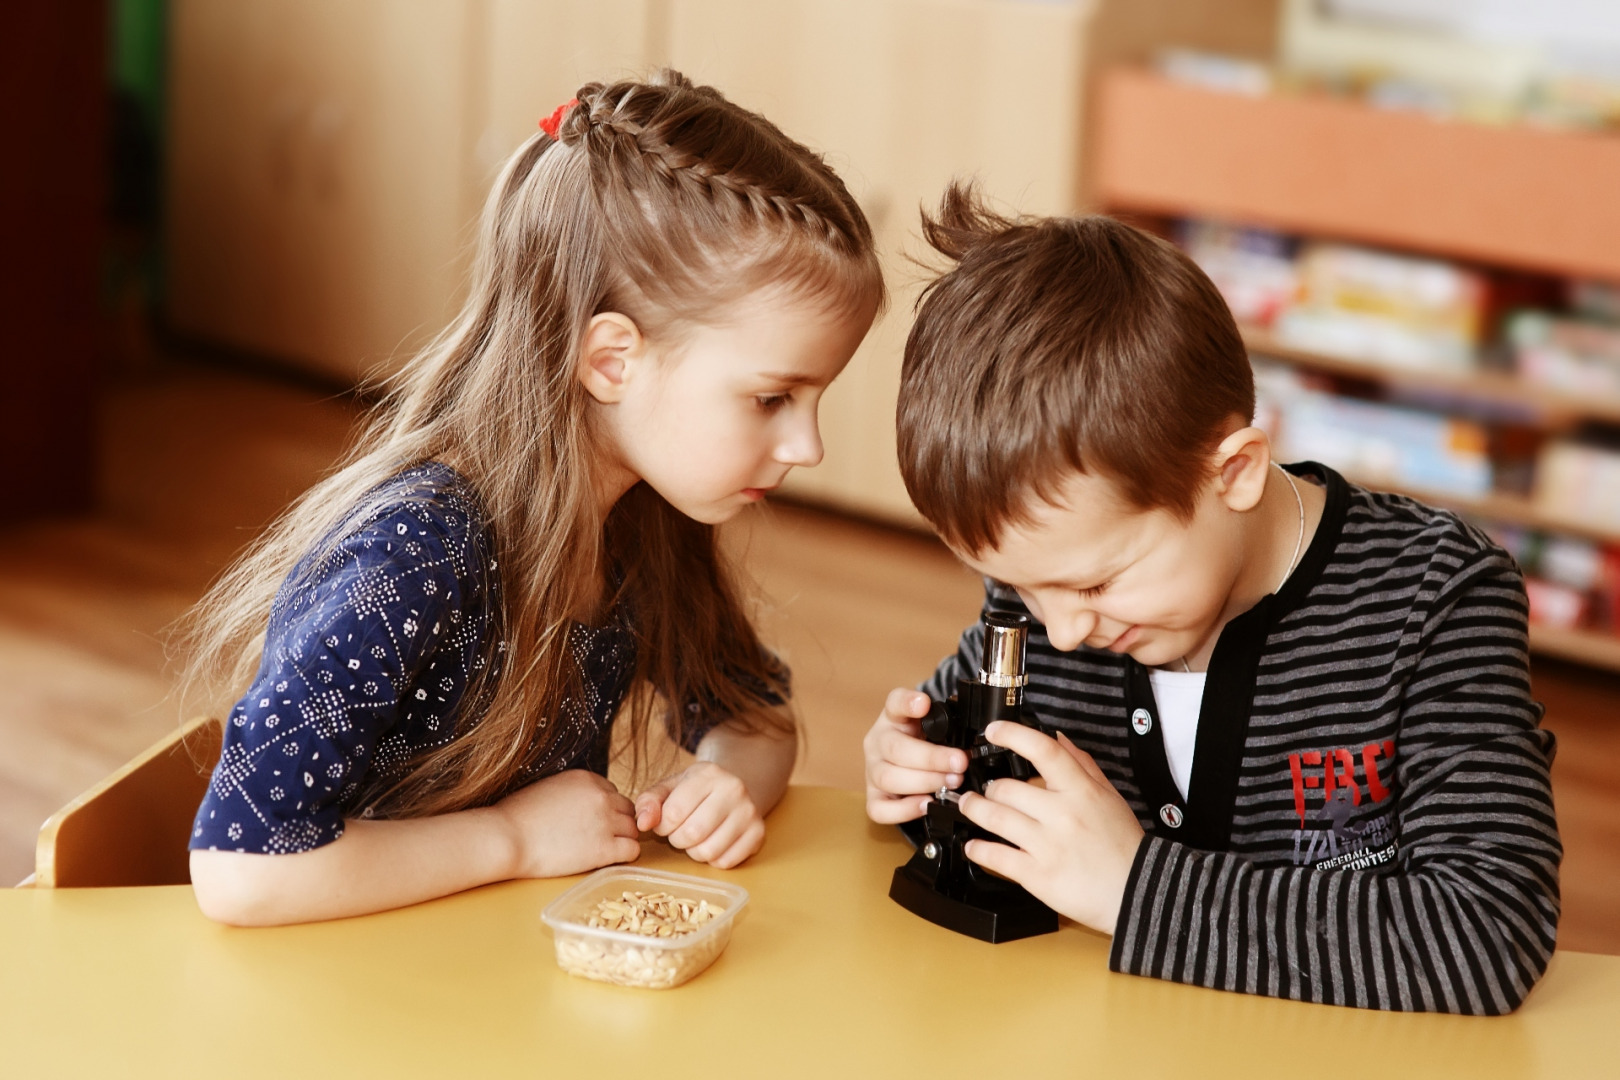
[(1299, 542)]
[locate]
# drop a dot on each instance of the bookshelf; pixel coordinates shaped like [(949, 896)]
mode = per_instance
[(1514, 198), (1553, 410)]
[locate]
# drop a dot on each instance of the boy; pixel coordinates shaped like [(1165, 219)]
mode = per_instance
[(1297, 754)]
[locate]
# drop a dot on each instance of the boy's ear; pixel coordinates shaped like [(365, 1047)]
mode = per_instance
[(610, 350), (1241, 461)]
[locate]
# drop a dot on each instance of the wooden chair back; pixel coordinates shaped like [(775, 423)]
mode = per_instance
[(132, 828)]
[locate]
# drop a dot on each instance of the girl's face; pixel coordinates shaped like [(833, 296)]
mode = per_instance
[(715, 421)]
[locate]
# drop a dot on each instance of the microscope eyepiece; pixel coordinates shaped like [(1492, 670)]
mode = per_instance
[(1005, 638)]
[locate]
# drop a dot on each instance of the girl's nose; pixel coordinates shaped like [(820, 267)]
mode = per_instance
[(801, 444)]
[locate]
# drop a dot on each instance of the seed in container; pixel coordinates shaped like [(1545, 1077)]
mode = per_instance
[(658, 914)]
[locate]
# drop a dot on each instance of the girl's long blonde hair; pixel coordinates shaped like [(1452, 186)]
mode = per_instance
[(659, 200)]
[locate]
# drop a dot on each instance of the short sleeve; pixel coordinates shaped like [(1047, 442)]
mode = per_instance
[(344, 659), (704, 716)]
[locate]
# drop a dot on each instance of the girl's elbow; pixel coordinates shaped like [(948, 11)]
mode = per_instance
[(234, 889)]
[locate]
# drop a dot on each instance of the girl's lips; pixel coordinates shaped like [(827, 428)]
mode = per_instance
[(756, 494)]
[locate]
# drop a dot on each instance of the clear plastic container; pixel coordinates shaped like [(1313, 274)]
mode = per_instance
[(631, 959)]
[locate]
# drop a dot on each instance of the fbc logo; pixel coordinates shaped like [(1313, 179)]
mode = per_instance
[(1330, 771)]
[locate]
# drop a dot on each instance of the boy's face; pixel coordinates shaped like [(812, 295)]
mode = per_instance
[(1097, 571)]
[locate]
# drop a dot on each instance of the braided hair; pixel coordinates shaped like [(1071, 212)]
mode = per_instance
[(701, 199)]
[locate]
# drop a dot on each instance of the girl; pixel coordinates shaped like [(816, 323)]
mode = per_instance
[(524, 538)]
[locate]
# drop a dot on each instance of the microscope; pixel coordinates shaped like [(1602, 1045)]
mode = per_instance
[(940, 883)]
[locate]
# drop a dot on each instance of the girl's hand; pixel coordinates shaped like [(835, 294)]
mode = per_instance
[(569, 823), (705, 811), (902, 766), (1075, 840)]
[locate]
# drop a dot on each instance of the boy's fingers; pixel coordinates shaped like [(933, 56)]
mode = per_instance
[(1011, 825), (910, 752), (893, 780), (887, 811), (1009, 862), (1083, 759), (1025, 798), (906, 704), (1043, 751), (624, 849)]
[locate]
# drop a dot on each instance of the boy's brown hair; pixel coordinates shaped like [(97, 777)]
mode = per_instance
[(1058, 345)]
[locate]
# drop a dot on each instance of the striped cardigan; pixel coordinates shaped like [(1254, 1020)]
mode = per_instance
[(1370, 818)]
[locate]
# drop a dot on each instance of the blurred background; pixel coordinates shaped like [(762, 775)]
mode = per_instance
[(224, 221)]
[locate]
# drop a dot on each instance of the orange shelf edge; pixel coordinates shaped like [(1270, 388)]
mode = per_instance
[(1518, 196)]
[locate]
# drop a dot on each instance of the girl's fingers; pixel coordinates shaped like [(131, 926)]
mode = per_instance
[(624, 825), (747, 844), (701, 823), (887, 811), (710, 847), (623, 849)]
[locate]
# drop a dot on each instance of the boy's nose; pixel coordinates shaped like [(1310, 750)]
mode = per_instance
[(1066, 633)]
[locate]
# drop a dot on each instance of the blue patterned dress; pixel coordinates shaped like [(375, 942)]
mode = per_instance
[(367, 657)]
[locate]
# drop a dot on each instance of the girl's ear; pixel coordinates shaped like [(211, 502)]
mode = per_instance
[(1242, 460), (610, 350)]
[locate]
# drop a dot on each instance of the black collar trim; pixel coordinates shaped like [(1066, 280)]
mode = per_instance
[(1204, 819)]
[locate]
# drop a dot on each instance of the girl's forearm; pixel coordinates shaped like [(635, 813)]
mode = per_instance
[(374, 866), (763, 761)]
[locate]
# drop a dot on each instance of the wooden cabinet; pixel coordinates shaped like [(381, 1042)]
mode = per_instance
[(329, 157)]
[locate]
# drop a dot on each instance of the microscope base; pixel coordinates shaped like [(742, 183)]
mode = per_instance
[(991, 915)]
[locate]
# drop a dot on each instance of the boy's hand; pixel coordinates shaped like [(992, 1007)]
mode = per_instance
[(706, 812), (902, 766), (1076, 839)]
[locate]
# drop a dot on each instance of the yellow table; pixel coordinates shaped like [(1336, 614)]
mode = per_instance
[(824, 977)]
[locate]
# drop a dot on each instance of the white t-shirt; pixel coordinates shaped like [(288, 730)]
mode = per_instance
[(1179, 695)]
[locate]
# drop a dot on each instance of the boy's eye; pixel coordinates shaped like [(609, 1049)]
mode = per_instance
[(771, 402), (1095, 590)]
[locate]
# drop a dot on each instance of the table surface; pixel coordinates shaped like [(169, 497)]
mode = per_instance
[(825, 976)]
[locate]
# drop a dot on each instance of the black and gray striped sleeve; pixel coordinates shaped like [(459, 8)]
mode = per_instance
[(1465, 919)]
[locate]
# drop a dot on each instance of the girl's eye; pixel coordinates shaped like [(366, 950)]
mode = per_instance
[(1095, 590), (771, 402)]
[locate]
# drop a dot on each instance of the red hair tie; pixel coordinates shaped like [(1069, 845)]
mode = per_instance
[(551, 123)]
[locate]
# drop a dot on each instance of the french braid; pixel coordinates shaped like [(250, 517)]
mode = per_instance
[(671, 163)]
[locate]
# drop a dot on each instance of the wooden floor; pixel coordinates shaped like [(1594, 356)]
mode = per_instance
[(196, 460)]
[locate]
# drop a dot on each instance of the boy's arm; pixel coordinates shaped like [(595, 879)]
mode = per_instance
[(1466, 919)]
